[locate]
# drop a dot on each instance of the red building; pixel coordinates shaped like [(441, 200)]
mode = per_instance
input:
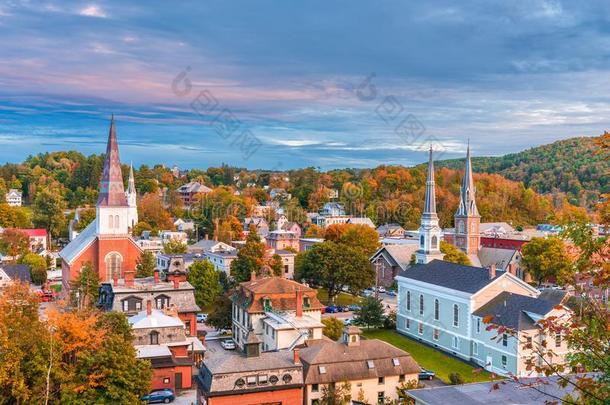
[(106, 243)]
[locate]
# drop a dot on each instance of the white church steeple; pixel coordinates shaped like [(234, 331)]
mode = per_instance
[(429, 231), (131, 195)]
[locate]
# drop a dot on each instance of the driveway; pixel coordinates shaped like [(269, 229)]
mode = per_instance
[(188, 397)]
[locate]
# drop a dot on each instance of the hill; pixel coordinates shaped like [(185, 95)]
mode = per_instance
[(569, 166)]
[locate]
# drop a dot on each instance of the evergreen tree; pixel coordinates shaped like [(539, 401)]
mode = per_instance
[(205, 279), (84, 290), (49, 209), (145, 266), (220, 316), (38, 267), (370, 313), (250, 258)]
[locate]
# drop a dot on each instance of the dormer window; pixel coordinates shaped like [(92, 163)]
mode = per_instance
[(162, 301), (306, 302), (267, 304)]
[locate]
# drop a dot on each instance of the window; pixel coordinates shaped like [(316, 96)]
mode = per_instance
[(251, 380), (314, 387), (166, 380), (421, 304), (113, 265), (262, 379), (421, 241), (322, 369), (370, 364), (478, 325), (503, 361), (420, 328), (131, 304), (435, 334), (401, 378), (408, 300), (408, 323), (395, 362), (505, 340), (455, 342), (558, 339), (381, 381), (434, 242), (154, 337), (461, 227), (116, 221), (528, 341), (456, 315), (380, 397), (436, 309), (161, 301), (475, 348)]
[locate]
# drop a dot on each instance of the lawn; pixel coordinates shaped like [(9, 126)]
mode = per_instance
[(341, 299), (429, 358)]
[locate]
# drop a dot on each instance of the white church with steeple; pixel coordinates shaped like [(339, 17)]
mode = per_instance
[(430, 232), (131, 195)]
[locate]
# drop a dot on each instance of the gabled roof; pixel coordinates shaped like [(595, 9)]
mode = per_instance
[(281, 292), (450, 275), (500, 257), (14, 192), (73, 249), (400, 254), (17, 272), (34, 232), (157, 319), (507, 309), (361, 221)]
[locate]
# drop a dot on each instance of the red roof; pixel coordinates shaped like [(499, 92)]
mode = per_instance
[(34, 232)]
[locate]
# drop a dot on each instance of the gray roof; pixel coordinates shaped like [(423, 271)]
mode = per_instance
[(507, 309), (525, 392), (78, 244), (400, 254), (450, 275), (17, 271), (500, 257)]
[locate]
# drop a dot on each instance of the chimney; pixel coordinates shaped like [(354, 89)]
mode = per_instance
[(149, 307), (115, 279), (253, 276), (296, 357), (176, 283), (299, 304), (512, 269), (156, 273), (129, 276), (206, 236), (492, 271)]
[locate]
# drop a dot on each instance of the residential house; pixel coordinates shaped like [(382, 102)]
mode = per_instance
[(282, 240), (14, 197), (391, 231), (293, 227), (167, 263), (208, 245), (262, 227), (190, 192), (178, 236), (373, 368), (130, 296), (249, 377), (287, 257), (38, 239), (13, 272), (306, 243), (160, 337), (325, 221), (280, 313), (222, 259), (361, 221), (184, 226), (389, 260), (332, 209), (279, 194), (443, 304)]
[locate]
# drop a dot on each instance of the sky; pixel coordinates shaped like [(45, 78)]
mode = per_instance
[(287, 84)]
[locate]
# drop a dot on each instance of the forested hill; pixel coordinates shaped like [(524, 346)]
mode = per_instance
[(569, 166)]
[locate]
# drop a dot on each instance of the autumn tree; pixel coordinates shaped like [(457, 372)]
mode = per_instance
[(276, 264), (38, 267), (14, 243), (220, 316), (314, 231), (453, 254), (174, 246), (250, 258), (357, 236), (545, 258), (49, 209), (333, 328), (336, 394), (152, 211), (84, 290), (205, 279), (85, 217), (146, 265)]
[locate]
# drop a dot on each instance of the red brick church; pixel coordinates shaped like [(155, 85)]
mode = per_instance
[(106, 243)]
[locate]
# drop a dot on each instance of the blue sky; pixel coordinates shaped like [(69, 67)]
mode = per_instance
[(296, 77)]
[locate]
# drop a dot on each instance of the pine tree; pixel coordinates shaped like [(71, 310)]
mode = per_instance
[(205, 279), (145, 266), (250, 258)]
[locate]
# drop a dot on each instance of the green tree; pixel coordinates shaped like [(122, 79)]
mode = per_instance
[(14, 243), (145, 266), (336, 394), (220, 316), (370, 313), (250, 258), (333, 328), (38, 267), (205, 279), (546, 257), (174, 246), (453, 254), (86, 216), (84, 290), (276, 265), (334, 266), (49, 209)]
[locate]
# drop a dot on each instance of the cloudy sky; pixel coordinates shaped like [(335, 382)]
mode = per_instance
[(283, 84)]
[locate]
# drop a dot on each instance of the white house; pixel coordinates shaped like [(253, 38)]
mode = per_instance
[(13, 197)]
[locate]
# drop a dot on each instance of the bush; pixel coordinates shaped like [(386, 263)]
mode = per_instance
[(333, 328), (389, 321), (456, 378)]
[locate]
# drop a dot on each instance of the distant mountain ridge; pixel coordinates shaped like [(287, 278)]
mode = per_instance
[(569, 166)]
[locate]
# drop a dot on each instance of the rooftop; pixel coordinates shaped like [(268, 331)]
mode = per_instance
[(157, 319)]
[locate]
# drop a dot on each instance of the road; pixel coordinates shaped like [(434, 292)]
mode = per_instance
[(389, 304)]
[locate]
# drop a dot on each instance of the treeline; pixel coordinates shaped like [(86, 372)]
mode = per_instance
[(575, 167)]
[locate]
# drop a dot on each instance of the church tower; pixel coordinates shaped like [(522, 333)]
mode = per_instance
[(467, 218), (112, 208), (131, 199), (429, 231)]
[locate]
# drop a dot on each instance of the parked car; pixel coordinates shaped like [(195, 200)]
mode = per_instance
[(165, 396), (331, 309), (426, 374), (347, 322), (354, 307), (367, 293), (391, 293), (227, 344), (381, 289), (201, 318)]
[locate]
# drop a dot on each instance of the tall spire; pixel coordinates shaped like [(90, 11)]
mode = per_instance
[(468, 205), (430, 205), (131, 186), (112, 192)]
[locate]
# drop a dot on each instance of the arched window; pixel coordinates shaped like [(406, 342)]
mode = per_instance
[(436, 309), (461, 227), (421, 304), (154, 337), (473, 227), (434, 242), (110, 222), (456, 315), (114, 261), (421, 241), (116, 221), (408, 300)]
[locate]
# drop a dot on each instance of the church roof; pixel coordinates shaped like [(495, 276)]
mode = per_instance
[(430, 204), (112, 192), (73, 249), (131, 185), (468, 205)]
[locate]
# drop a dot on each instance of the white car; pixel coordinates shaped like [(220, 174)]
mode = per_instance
[(227, 344), (381, 289)]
